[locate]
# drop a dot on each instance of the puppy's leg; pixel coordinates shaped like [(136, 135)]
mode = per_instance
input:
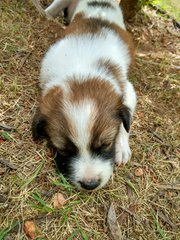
[(123, 151), (57, 6)]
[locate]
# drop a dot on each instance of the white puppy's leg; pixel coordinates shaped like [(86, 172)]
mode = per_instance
[(123, 151), (57, 6)]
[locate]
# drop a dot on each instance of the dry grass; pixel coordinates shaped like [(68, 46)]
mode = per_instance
[(148, 206)]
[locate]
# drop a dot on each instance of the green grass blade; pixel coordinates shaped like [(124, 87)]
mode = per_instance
[(33, 176), (131, 185), (43, 205), (75, 233), (4, 232), (160, 231)]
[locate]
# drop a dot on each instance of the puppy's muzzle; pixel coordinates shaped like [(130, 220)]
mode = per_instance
[(90, 184)]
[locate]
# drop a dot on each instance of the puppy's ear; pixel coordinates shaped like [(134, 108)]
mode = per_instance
[(125, 116), (38, 127)]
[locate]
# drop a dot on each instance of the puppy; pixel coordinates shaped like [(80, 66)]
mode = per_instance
[(87, 101)]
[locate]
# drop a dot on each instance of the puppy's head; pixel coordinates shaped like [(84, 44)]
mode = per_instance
[(82, 122)]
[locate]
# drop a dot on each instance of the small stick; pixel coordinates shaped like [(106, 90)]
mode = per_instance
[(5, 127), (158, 138), (42, 12), (169, 187), (40, 9), (166, 219), (23, 60), (130, 213), (155, 135), (8, 164)]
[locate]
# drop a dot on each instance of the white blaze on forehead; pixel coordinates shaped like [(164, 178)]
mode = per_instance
[(81, 117)]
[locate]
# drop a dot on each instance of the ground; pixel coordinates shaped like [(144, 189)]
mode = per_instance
[(145, 192)]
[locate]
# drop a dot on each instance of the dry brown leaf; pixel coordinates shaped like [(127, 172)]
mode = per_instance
[(139, 172), (113, 224), (30, 229), (58, 200)]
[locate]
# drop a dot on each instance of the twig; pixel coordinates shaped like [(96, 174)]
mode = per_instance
[(5, 127), (23, 60), (169, 187), (158, 64), (8, 164), (40, 9), (155, 135), (130, 213), (44, 13), (166, 219), (158, 138)]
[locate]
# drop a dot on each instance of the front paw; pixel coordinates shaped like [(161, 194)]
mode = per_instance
[(123, 154)]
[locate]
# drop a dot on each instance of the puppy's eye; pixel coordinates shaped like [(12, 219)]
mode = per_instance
[(104, 147), (62, 152), (69, 151)]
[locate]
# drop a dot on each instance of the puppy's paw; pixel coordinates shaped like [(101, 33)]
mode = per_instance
[(123, 154)]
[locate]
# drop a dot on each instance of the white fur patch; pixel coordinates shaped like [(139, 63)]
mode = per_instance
[(82, 117), (86, 167), (77, 56), (130, 98), (113, 15), (110, 14), (123, 151)]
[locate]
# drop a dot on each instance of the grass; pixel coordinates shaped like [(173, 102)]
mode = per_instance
[(4, 232), (161, 233), (63, 183), (41, 205), (33, 176), (172, 7), (147, 207)]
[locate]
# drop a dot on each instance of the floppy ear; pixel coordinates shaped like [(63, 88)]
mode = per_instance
[(125, 116), (39, 126)]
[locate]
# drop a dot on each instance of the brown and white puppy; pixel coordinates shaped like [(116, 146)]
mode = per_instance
[(87, 101)]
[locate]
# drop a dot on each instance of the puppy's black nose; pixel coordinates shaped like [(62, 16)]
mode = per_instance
[(90, 184)]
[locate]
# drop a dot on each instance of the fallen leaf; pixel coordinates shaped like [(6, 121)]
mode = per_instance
[(139, 172), (30, 229), (154, 179), (130, 193), (58, 200), (113, 224), (1, 140)]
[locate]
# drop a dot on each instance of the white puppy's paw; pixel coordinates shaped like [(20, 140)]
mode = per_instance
[(123, 153)]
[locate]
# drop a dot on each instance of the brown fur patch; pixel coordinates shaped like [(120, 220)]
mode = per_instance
[(113, 69), (101, 92), (107, 102), (51, 106), (107, 105)]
